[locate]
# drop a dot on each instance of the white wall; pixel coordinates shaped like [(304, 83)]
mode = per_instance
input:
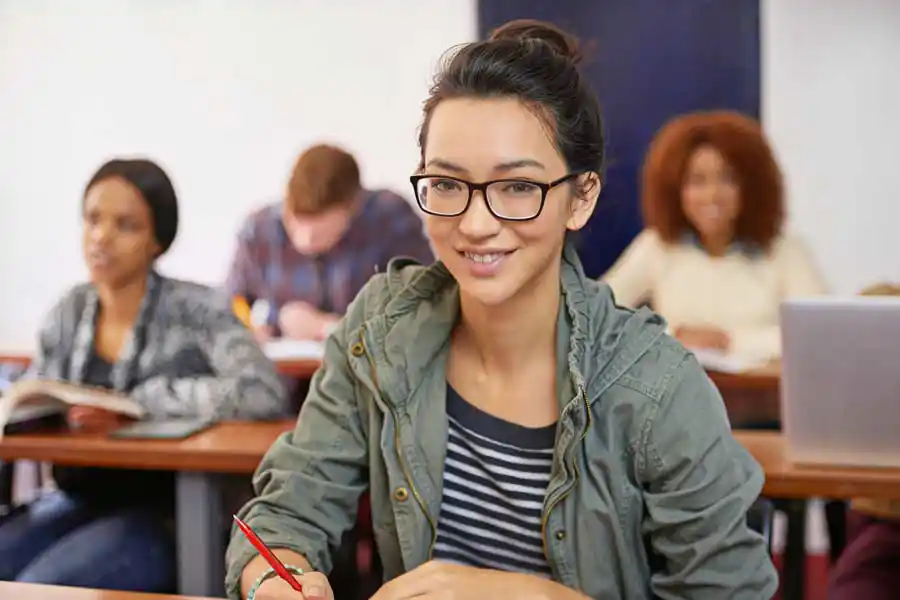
[(831, 103), (224, 95)]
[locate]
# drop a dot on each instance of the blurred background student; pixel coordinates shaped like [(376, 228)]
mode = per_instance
[(173, 347), (713, 259), (304, 258)]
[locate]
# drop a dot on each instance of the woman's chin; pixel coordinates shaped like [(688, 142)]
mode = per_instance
[(492, 292)]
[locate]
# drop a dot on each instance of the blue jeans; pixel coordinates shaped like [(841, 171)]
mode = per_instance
[(58, 540)]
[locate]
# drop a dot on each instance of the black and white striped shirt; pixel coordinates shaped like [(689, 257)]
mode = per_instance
[(495, 478)]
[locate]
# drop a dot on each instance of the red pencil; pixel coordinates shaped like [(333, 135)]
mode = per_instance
[(267, 554)]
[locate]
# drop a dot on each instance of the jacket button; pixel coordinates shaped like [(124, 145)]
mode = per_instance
[(401, 494), (357, 349), (560, 535)]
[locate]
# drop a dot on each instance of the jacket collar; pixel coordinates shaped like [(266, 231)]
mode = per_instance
[(409, 335)]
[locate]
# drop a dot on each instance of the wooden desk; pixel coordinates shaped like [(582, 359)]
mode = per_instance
[(238, 447), (31, 591), (298, 369), (199, 463), (767, 379), (235, 448), (752, 397), (787, 480), (19, 359)]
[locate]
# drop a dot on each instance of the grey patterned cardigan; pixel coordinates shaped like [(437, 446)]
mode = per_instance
[(187, 356)]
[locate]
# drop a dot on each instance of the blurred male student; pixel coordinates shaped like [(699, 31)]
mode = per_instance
[(304, 258)]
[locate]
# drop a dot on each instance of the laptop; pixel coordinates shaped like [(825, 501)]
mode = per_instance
[(840, 381)]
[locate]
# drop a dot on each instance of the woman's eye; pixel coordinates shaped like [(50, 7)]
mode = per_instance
[(445, 185), (520, 187)]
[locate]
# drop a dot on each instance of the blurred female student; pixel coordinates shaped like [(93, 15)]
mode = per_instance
[(520, 435), (713, 260), (171, 346)]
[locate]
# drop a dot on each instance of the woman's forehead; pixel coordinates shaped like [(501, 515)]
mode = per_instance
[(482, 134)]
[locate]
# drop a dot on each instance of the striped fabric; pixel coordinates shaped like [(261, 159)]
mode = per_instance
[(495, 477)]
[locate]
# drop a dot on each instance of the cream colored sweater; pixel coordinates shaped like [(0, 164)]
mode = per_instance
[(739, 293)]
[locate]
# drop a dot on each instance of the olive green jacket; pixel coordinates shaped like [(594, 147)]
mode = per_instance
[(649, 490)]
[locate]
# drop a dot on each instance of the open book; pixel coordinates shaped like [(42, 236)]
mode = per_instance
[(26, 400)]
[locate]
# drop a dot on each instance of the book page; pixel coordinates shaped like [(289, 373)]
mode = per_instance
[(27, 399), (715, 360), (284, 349)]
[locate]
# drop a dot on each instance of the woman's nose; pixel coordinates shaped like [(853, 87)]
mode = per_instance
[(478, 221)]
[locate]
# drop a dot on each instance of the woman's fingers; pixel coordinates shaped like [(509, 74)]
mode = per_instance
[(315, 586)]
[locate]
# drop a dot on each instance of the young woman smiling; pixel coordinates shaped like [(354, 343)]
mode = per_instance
[(520, 435)]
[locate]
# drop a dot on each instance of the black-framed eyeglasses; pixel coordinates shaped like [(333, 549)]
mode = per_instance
[(507, 199)]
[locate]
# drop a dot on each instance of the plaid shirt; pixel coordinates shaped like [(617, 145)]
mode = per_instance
[(267, 267)]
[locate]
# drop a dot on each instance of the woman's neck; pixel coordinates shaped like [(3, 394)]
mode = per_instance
[(717, 245), (122, 303), (509, 337)]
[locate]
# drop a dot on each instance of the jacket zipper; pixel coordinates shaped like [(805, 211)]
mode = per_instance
[(565, 493), (403, 467)]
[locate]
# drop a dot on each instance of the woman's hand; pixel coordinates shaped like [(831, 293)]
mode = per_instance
[(94, 420), (264, 333), (703, 337), (315, 587), (436, 580)]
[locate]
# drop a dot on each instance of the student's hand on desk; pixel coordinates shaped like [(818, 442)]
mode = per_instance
[(95, 420), (701, 337), (263, 334), (437, 580), (302, 321)]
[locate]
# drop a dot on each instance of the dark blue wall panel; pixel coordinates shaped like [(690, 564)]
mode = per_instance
[(649, 61)]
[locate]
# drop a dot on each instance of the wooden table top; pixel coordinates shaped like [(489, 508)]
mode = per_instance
[(237, 448), (299, 369), (31, 591), (787, 480), (765, 379), (233, 447)]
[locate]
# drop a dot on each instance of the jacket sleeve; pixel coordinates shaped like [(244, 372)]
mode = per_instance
[(244, 383), (49, 337), (308, 485), (54, 339), (699, 485)]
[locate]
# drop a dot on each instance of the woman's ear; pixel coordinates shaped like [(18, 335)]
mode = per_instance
[(587, 191), (155, 250)]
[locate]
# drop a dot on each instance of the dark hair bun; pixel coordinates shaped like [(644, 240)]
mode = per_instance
[(532, 29)]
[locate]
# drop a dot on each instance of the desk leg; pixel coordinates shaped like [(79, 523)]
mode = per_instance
[(201, 554)]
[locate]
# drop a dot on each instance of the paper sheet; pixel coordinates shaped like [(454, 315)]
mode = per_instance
[(293, 350)]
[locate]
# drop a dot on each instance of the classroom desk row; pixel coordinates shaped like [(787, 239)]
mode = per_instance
[(237, 447), (299, 369), (749, 397)]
